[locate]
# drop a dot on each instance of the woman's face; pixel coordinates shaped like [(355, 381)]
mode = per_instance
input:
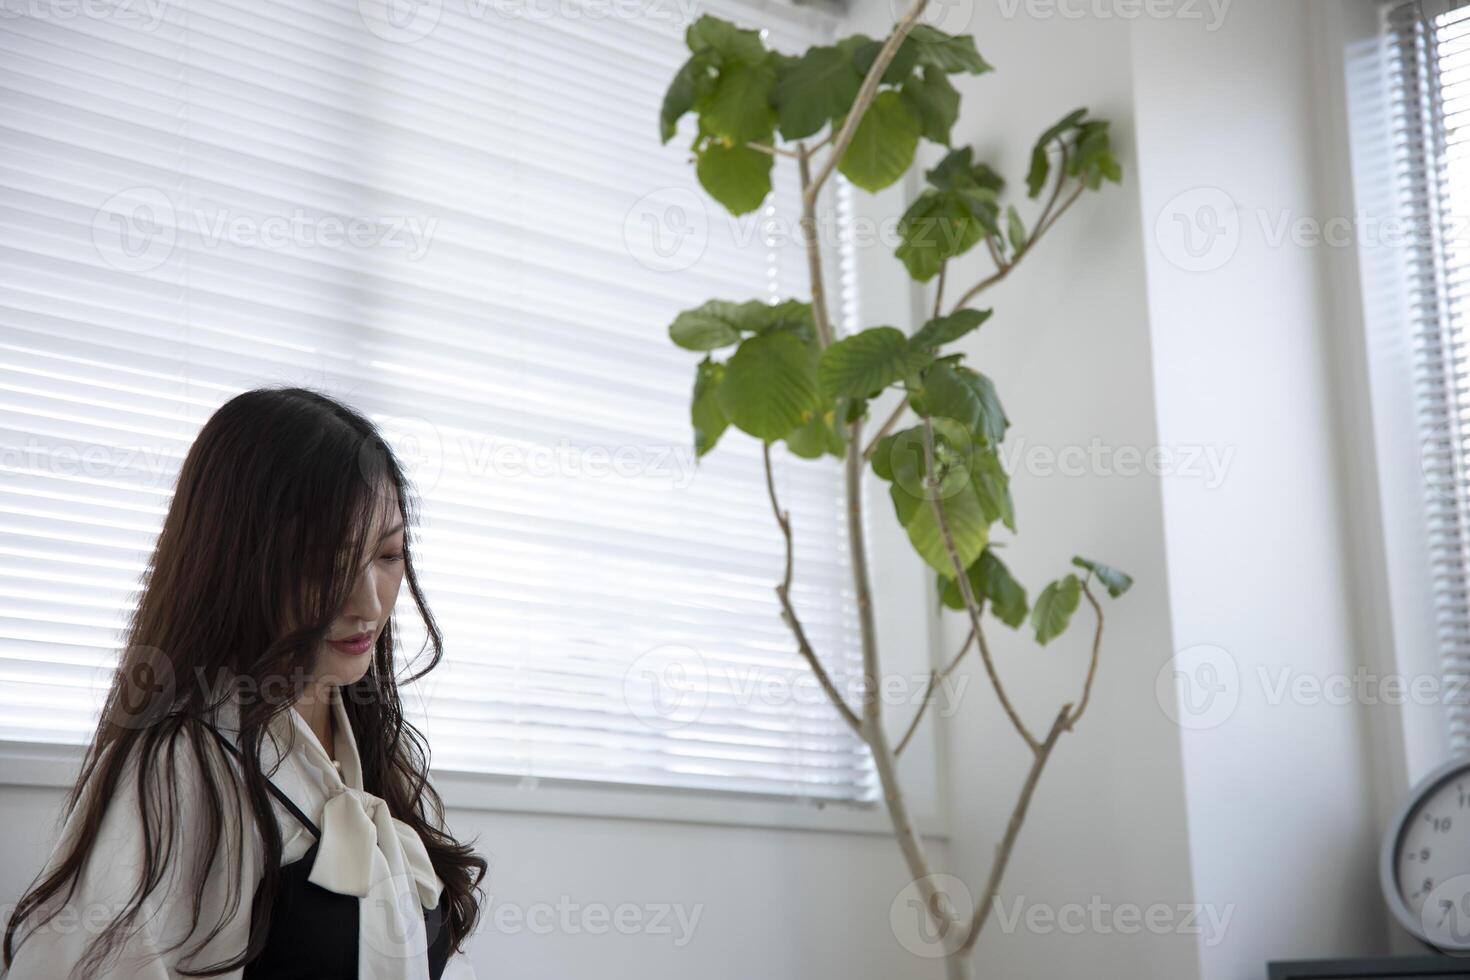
[(346, 654)]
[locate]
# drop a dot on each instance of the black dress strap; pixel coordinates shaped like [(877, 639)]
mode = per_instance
[(275, 790)]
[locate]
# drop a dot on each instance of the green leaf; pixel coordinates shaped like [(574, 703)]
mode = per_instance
[(992, 581), (1054, 608), (817, 87), (953, 391), (1040, 161), (865, 363), (1116, 582), (1092, 159), (993, 487), (739, 109), (791, 314), (947, 329), (817, 436), (938, 226), (713, 325), (719, 322), (936, 103), (1015, 230), (883, 458), (770, 385), (705, 413), (730, 44), (967, 526), (898, 69), (958, 171), (1007, 596), (900, 458), (1069, 121), (692, 84), (883, 146), (946, 52), (736, 176)]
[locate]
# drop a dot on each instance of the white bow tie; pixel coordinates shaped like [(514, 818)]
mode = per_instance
[(358, 831)]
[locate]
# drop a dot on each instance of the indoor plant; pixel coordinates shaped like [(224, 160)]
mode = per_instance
[(779, 373)]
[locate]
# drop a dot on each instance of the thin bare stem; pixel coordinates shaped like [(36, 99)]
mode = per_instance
[(871, 728), (773, 150), (884, 760), (866, 93), (788, 611), (1096, 648), (813, 250), (1076, 193), (831, 135), (936, 677), (971, 606), (939, 288), (1056, 191), (1013, 829), (995, 254), (1044, 222), (899, 409)]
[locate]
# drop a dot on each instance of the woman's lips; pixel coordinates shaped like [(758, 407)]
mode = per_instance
[(359, 643)]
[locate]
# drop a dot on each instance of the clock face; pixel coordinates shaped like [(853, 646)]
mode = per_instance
[(1431, 863)]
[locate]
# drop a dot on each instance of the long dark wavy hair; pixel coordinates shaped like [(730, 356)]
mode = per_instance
[(258, 554)]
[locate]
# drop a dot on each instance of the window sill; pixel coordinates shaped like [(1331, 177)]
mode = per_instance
[(53, 766)]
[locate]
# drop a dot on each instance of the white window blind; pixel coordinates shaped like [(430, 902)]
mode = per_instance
[(465, 225), (1427, 59)]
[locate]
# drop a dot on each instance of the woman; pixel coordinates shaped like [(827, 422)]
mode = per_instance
[(253, 803)]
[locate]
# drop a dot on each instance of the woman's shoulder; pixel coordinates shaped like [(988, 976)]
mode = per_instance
[(167, 773), (159, 827)]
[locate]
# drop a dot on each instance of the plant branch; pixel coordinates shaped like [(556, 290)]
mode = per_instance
[(1013, 829), (773, 150), (1056, 190), (995, 253), (971, 606), (1092, 667), (866, 93), (935, 678), (831, 135), (813, 248), (788, 611), (1047, 218), (885, 762), (899, 409), (1076, 193)]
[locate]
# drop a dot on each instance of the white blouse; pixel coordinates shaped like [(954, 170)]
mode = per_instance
[(364, 851)]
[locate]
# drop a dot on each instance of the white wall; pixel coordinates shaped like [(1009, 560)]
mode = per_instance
[(1256, 815), (1280, 795), (1068, 348)]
